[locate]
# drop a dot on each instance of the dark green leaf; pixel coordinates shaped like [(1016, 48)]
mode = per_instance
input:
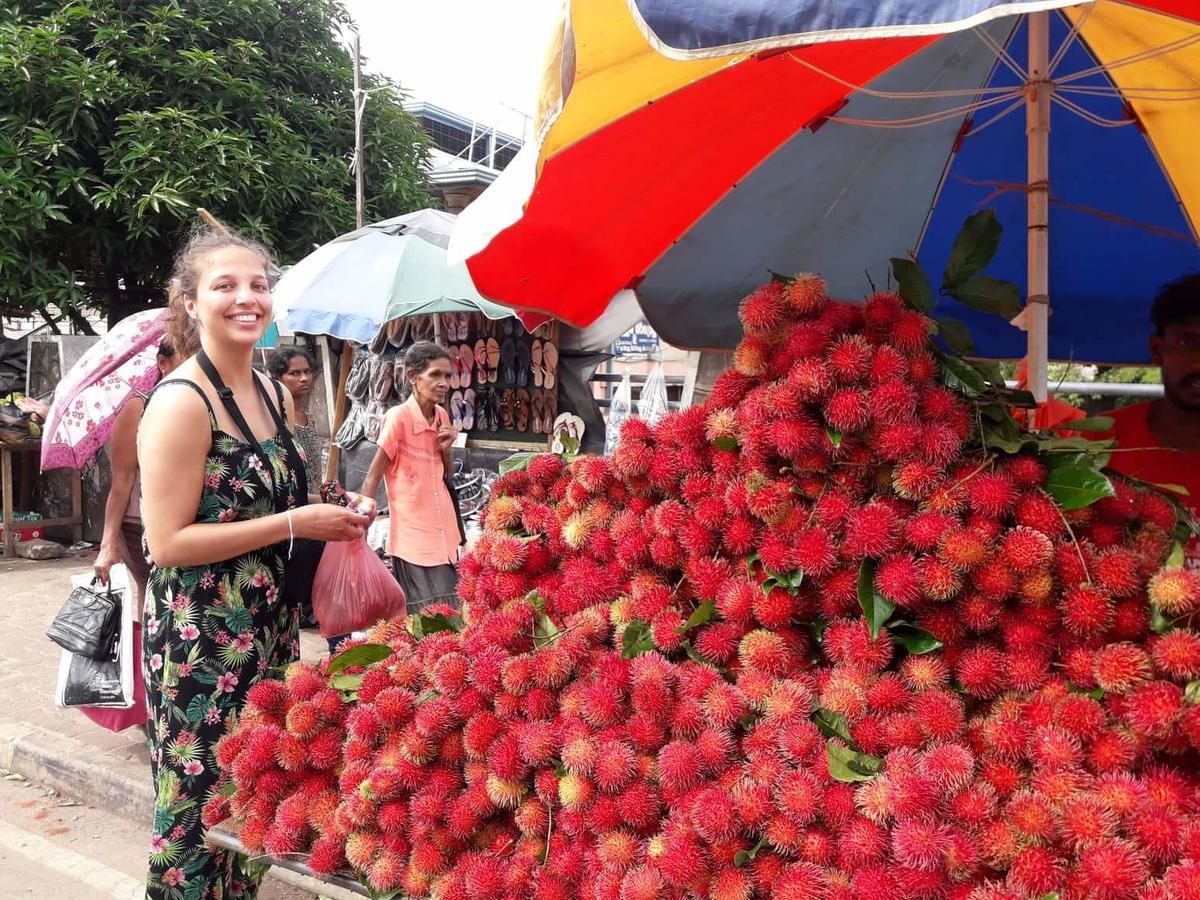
[(1019, 399), (744, 856), (1092, 423), (778, 278), (1191, 693), (913, 639), (636, 639), (990, 371), (426, 696), (1159, 623), (1077, 486), (362, 655), (832, 724), (694, 655), (835, 437), (875, 607), (700, 616), (961, 377), (973, 249), (726, 442), (988, 295), (850, 766), (956, 336), (1052, 895), (516, 462), (914, 285), (346, 682), (425, 624), (817, 627)]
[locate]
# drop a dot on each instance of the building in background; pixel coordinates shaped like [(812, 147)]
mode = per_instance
[(466, 155)]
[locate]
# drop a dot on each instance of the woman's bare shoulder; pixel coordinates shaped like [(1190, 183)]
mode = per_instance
[(178, 398)]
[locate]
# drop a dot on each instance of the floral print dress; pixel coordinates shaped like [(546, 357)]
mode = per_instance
[(211, 632)]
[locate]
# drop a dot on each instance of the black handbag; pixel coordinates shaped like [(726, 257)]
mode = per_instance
[(88, 623), (453, 491)]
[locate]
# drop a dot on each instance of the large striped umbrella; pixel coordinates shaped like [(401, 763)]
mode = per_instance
[(687, 148)]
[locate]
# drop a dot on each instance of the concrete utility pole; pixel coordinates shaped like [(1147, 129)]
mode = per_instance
[(339, 401)]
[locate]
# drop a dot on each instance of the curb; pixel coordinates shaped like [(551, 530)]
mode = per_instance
[(67, 765)]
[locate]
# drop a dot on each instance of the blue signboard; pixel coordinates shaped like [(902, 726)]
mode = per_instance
[(639, 342)]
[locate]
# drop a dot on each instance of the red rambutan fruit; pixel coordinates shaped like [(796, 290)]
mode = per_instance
[(991, 493), (1154, 708), (752, 356), (1119, 668), (1026, 549), (848, 410), (806, 295), (871, 531), (1086, 611), (919, 843), (1112, 869), (963, 549), (271, 697), (1177, 654), (981, 671), (898, 579), (764, 309), (1175, 591)]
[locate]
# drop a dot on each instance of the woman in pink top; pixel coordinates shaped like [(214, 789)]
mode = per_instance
[(413, 460)]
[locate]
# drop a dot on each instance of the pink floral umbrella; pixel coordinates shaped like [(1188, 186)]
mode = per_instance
[(86, 402)]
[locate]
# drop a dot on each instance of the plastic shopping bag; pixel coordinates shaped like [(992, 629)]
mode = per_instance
[(652, 401), (108, 683), (618, 412), (353, 589)]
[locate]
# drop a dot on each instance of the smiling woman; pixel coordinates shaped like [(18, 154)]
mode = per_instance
[(224, 493)]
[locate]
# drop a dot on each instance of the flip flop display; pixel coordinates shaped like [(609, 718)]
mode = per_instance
[(522, 409), (538, 408), (536, 363), (550, 364), (467, 361), (468, 414), (523, 361), (493, 360), (508, 359), (507, 409), (456, 405)]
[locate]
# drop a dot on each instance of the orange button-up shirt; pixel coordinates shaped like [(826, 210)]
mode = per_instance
[(423, 529)]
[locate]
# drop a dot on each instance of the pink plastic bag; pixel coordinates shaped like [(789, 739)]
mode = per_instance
[(353, 589), (115, 718)]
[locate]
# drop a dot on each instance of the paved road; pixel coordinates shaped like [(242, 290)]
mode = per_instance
[(52, 848)]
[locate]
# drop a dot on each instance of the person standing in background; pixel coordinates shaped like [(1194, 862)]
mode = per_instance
[(123, 530), (295, 368), (413, 460), (1158, 441)]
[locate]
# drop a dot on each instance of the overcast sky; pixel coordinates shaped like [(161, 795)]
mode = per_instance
[(474, 57)]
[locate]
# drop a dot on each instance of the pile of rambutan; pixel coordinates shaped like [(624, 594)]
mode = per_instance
[(809, 639)]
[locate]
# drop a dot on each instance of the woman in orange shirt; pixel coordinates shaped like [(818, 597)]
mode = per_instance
[(413, 460)]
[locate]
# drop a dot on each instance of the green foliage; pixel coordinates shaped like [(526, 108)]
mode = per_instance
[(118, 119)]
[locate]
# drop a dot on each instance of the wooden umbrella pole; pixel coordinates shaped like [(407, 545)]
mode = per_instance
[(339, 409), (1037, 203)]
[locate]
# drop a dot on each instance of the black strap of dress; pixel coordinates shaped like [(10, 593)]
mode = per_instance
[(225, 394)]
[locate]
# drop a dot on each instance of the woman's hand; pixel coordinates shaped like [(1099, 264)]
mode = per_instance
[(445, 436), (326, 522), (363, 504), (105, 560)]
